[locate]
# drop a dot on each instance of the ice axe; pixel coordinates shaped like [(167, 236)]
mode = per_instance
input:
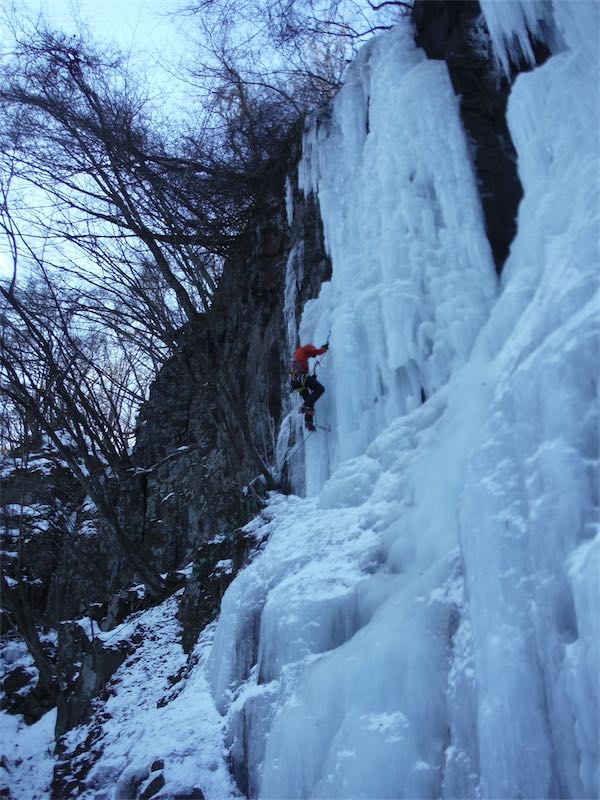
[(318, 362)]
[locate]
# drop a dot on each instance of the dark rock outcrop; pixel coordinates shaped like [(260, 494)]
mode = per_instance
[(22, 695), (85, 666), (216, 564), (38, 495), (54, 545)]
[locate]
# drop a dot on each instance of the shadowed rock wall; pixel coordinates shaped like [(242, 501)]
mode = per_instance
[(195, 494)]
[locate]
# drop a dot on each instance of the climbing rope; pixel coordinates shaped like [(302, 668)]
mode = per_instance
[(289, 455)]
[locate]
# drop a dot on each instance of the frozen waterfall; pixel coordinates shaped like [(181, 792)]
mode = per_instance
[(426, 621)]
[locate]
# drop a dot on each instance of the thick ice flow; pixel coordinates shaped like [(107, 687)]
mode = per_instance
[(426, 623), (512, 26), (413, 278)]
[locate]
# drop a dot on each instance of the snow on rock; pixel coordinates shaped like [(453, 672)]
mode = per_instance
[(426, 622), (26, 751), (159, 726)]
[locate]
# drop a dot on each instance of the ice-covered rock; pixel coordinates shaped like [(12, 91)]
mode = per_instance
[(425, 623)]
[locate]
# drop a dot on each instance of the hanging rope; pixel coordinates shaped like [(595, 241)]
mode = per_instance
[(290, 454)]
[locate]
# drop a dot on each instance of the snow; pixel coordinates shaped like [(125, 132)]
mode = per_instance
[(28, 749), (34, 510), (10, 465), (159, 708)]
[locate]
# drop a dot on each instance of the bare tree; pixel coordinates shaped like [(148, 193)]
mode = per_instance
[(73, 128), (17, 605), (140, 221), (75, 405), (294, 51)]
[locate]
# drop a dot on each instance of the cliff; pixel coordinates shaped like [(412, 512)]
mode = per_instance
[(393, 607)]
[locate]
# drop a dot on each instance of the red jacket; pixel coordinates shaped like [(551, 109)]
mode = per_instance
[(305, 352)]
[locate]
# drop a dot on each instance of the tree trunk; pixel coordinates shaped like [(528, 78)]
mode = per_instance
[(14, 602)]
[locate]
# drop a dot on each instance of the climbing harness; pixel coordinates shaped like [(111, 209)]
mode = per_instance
[(297, 377)]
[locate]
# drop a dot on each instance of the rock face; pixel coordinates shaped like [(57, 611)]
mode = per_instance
[(455, 32), (223, 393), (85, 665), (52, 540), (38, 493)]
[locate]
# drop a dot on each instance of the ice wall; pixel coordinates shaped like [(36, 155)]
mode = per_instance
[(513, 24), (413, 277), (427, 622), (529, 508)]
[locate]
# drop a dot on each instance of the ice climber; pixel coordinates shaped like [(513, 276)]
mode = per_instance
[(304, 383)]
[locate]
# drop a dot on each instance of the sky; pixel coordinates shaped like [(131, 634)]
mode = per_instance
[(138, 24), (144, 28)]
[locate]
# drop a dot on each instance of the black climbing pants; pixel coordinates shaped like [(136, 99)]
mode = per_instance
[(311, 391)]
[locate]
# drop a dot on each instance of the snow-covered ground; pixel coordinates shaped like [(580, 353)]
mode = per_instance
[(426, 621), (26, 751), (159, 724), (26, 771)]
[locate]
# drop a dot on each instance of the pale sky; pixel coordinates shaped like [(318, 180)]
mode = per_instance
[(139, 24), (141, 27)]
